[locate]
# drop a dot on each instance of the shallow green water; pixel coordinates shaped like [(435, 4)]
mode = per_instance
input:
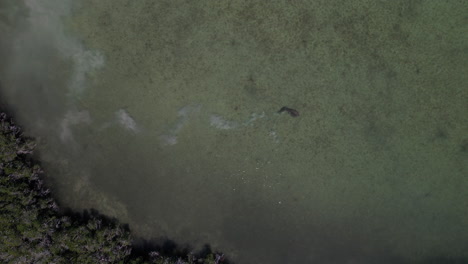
[(164, 114)]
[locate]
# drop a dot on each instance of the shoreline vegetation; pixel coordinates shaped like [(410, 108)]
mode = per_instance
[(35, 229)]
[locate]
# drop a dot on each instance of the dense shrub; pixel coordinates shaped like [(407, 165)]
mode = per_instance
[(34, 230)]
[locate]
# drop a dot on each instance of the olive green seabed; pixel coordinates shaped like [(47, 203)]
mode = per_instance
[(177, 130)]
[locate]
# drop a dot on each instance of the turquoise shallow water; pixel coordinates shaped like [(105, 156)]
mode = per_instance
[(165, 115)]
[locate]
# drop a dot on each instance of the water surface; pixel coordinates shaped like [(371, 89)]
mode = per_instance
[(165, 115)]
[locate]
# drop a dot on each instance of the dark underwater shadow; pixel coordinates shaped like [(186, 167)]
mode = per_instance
[(444, 260)]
